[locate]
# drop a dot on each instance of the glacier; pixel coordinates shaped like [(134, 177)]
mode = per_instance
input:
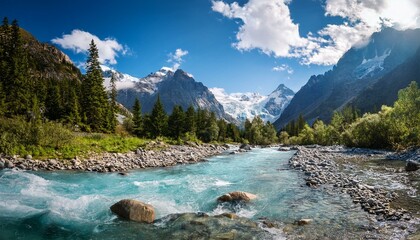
[(242, 106)]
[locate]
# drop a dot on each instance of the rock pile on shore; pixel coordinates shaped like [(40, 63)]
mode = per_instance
[(168, 155), (319, 166)]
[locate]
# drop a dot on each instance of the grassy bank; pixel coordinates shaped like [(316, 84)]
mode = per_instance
[(53, 140)]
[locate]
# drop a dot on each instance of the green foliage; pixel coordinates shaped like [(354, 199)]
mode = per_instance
[(95, 104), (284, 137), (18, 136), (137, 121), (369, 131), (158, 122), (396, 127), (176, 122), (406, 113), (294, 127), (256, 132), (190, 125), (53, 140)]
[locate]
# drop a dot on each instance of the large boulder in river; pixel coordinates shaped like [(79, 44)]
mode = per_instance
[(237, 196), (134, 210), (412, 166)]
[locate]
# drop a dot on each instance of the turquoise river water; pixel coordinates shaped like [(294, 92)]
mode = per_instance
[(75, 205)]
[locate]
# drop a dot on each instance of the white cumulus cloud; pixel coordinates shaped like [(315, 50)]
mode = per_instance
[(267, 25), (176, 58), (79, 41), (283, 68), (363, 18)]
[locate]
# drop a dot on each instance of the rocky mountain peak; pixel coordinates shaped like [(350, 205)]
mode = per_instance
[(358, 69)]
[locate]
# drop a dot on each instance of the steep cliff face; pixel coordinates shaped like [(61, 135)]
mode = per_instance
[(48, 62), (359, 69), (385, 90)]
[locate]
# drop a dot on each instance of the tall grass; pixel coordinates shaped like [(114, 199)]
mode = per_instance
[(54, 140)]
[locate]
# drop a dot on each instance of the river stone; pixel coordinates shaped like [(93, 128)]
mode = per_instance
[(237, 196), (230, 215), (245, 147), (134, 210), (304, 221), (412, 166), (1, 164), (8, 164)]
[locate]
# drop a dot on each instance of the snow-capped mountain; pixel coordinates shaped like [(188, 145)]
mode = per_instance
[(242, 106), (173, 87), (180, 88), (125, 81)]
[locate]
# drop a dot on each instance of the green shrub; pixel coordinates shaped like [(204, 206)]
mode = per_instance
[(18, 136)]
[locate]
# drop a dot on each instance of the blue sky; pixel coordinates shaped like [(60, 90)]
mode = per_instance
[(241, 46)]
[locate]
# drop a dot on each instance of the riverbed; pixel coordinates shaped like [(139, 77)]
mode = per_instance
[(75, 205)]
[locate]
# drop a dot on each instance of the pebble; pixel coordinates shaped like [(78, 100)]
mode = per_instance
[(319, 168), (121, 162)]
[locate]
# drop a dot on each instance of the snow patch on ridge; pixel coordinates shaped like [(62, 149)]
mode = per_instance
[(125, 81), (368, 67)]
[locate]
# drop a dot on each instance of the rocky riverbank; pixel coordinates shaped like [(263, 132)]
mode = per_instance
[(334, 168), (162, 156)]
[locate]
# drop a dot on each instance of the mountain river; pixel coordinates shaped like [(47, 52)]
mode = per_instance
[(75, 205)]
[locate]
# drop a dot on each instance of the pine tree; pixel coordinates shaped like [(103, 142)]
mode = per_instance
[(158, 119), (211, 131), (2, 100), (73, 106), (221, 123), (4, 54), (247, 129), (113, 101), (95, 103), (233, 132), (190, 121), (300, 124), (137, 118), (70, 101), (256, 132), (19, 97), (176, 122), (53, 102)]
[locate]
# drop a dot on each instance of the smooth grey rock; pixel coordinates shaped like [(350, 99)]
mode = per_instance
[(245, 147), (134, 210), (412, 166), (8, 164), (237, 196)]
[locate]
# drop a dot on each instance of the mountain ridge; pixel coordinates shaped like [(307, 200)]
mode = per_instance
[(248, 105), (359, 68)]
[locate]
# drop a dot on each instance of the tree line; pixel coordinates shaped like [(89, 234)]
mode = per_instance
[(396, 127), (196, 124)]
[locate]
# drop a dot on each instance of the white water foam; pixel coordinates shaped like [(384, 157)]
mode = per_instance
[(165, 207), (168, 182), (61, 207), (13, 208), (204, 183), (238, 210), (222, 183)]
